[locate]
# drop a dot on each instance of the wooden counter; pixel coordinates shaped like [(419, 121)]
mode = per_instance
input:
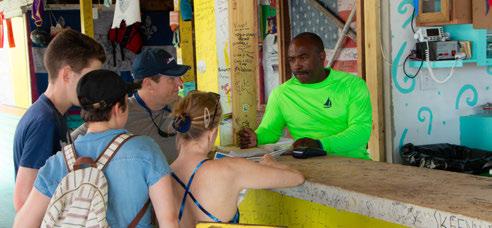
[(405, 195)]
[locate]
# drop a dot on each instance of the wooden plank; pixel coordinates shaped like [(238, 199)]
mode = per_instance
[(411, 196), (283, 33), (157, 5), (243, 30), (481, 20), (361, 63), (374, 77), (387, 84), (19, 63), (86, 21), (12, 110), (434, 18)]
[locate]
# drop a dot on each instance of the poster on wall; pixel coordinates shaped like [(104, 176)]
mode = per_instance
[(224, 70), (269, 74)]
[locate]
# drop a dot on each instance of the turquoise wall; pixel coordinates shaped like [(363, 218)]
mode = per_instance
[(8, 123)]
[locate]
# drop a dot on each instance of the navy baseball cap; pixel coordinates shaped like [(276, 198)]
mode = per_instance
[(101, 89), (154, 61)]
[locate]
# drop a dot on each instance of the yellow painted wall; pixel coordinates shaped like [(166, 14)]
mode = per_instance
[(186, 50), (271, 208), (206, 48), (19, 64), (205, 45), (87, 23)]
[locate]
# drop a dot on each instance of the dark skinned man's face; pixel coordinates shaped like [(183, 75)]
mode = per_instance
[(306, 61)]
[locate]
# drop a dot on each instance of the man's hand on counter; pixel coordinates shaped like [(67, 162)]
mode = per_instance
[(307, 142), (247, 138)]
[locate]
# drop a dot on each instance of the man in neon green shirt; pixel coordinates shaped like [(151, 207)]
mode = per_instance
[(322, 108)]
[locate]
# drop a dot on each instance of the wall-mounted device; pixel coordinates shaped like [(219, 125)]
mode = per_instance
[(430, 34), (438, 50)]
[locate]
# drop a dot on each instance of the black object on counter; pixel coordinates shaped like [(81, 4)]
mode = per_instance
[(307, 152), (447, 157)]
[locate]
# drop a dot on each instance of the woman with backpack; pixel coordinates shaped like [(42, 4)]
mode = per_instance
[(213, 186), (107, 177)]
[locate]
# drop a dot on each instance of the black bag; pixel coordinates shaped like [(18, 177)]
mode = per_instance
[(447, 157)]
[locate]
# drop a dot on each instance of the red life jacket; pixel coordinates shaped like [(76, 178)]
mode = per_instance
[(129, 37)]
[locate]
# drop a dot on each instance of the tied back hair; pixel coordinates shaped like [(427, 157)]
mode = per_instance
[(194, 114)]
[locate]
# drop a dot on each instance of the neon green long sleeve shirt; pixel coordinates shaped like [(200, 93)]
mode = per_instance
[(336, 111)]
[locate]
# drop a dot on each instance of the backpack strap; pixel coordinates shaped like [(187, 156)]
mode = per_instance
[(111, 150), (140, 215), (70, 156)]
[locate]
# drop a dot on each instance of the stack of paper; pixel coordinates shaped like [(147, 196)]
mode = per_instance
[(275, 149)]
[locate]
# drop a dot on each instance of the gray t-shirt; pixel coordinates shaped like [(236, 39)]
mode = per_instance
[(140, 123)]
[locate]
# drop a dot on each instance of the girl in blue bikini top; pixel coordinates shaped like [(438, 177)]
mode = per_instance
[(208, 190)]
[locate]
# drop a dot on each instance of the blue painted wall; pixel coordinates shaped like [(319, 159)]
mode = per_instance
[(425, 112)]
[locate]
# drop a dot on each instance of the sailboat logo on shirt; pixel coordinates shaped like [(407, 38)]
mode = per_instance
[(328, 103)]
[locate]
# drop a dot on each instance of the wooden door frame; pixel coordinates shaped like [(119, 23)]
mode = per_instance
[(372, 63)]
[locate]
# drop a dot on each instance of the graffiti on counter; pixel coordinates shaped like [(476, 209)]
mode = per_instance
[(452, 221)]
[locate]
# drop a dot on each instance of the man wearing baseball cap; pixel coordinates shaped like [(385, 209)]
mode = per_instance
[(158, 74)]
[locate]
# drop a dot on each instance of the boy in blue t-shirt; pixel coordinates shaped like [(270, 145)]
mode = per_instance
[(38, 135), (137, 172)]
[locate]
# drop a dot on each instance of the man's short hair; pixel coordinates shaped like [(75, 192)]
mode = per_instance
[(139, 82), (72, 48), (316, 40)]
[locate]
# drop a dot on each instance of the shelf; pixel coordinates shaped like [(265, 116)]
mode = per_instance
[(439, 64), (478, 38)]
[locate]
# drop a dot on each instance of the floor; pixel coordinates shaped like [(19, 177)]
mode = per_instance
[(8, 123)]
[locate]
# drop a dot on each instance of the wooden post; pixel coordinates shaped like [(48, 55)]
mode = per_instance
[(387, 84), (243, 23), (374, 77), (361, 63), (86, 21), (283, 21)]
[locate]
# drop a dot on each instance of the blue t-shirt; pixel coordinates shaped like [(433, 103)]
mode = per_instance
[(38, 134), (136, 166)]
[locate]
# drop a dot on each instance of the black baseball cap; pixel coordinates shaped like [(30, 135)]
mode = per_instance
[(101, 89), (155, 61)]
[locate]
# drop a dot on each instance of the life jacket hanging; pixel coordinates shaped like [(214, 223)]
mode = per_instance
[(128, 37)]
